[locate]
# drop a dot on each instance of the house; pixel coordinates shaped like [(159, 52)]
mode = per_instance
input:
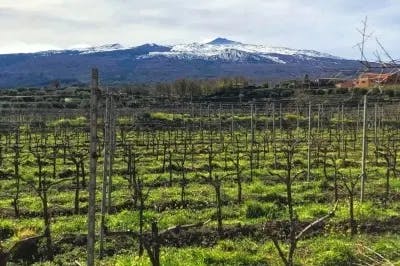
[(346, 84), (368, 80), (328, 82)]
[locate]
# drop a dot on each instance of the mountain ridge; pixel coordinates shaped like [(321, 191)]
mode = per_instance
[(151, 62)]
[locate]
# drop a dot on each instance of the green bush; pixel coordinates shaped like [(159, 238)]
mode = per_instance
[(43, 105), (360, 91), (256, 210), (342, 90), (71, 105), (67, 122), (389, 92), (375, 91)]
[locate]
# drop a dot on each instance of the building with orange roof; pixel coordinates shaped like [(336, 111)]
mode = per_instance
[(346, 84), (367, 80), (370, 80)]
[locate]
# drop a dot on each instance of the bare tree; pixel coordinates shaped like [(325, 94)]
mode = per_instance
[(77, 154), (41, 185), (350, 182), (388, 151), (238, 169), (288, 178)]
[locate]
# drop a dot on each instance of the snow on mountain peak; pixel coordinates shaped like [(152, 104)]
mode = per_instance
[(101, 48), (86, 50), (228, 50), (219, 49)]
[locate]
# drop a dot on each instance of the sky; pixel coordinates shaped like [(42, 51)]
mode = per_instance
[(323, 25)]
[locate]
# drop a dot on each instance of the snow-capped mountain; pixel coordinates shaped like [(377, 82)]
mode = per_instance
[(87, 50), (227, 50), (153, 63), (102, 48)]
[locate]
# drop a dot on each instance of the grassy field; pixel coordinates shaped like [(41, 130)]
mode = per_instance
[(180, 161)]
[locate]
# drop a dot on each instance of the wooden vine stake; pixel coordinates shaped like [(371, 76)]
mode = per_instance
[(93, 165), (364, 150)]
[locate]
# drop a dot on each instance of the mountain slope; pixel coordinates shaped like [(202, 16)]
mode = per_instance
[(223, 49), (153, 63)]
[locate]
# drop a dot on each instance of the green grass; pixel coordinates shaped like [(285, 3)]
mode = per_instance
[(264, 198)]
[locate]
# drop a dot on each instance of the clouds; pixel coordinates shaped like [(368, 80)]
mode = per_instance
[(328, 26)]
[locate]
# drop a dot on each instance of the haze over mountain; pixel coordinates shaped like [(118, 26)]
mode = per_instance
[(153, 63)]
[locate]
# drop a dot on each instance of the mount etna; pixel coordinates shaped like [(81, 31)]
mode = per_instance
[(156, 63)]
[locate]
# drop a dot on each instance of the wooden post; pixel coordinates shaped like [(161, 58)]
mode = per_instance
[(273, 122), (252, 139), (273, 134), (220, 122), (321, 121), (364, 150), (342, 135), (375, 123), (280, 118), (93, 165), (106, 169), (266, 116), (16, 170), (232, 123), (111, 150), (318, 118), (358, 116), (309, 144)]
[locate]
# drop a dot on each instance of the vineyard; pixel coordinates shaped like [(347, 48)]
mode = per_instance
[(296, 182)]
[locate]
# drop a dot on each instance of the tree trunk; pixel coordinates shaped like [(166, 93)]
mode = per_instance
[(47, 229)]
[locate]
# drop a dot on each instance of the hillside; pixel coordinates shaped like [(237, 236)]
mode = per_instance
[(154, 63)]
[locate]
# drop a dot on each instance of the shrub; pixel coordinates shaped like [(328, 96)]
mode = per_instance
[(360, 91), (342, 90), (71, 105), (292, 117), (389, 92), (43, 105), (6, 230), (256, 210), (57, 105)]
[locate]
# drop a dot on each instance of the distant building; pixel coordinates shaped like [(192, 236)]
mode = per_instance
[(345, 84), (370, 80), (328, 82)]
